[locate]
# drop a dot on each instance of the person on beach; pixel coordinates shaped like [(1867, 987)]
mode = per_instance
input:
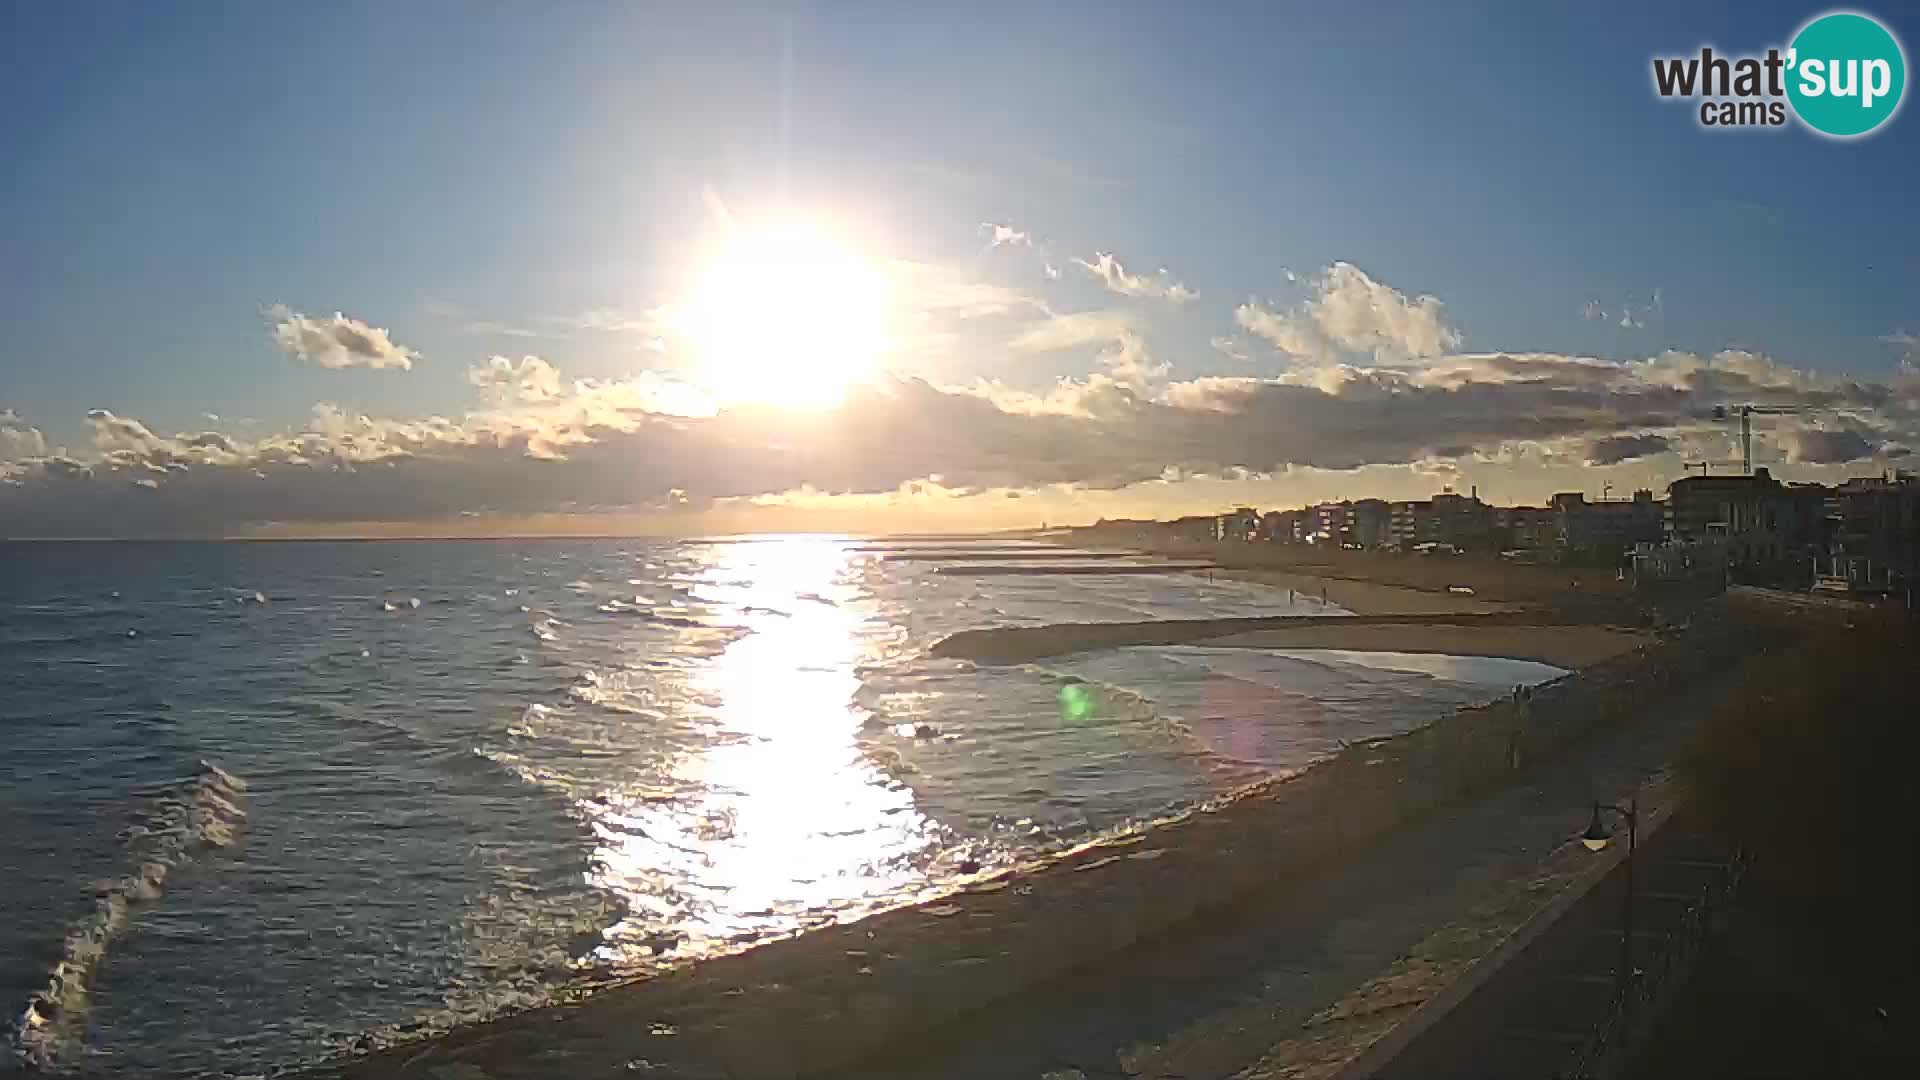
[(1522, 699)]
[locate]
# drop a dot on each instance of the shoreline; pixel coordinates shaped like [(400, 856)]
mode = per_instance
[(831, 997), (1570, 647), (1513, 635), (1369, 597)]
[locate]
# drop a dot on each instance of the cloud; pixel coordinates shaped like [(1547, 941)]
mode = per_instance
[(1005, 236), (18, 440), (496, 329), (1110, 273), (453, 313), (618, 445), (336, 342), (1632, 316), (1229, 348), (539, 443), (1819, 446), (1349, 313), (607, 320), (505, 381), (939, 291), (1129, 362), (1074, 330), (1614, 449)]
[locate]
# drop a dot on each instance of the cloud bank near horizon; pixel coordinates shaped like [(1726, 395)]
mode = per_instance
[(1359, 375)]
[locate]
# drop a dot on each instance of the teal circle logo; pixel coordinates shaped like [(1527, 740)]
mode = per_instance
[(1845, 74)]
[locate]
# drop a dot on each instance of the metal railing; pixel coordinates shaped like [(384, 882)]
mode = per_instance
[(1635, 1003)]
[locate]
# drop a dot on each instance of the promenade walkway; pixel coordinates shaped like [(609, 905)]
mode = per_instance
[(1301, 978)]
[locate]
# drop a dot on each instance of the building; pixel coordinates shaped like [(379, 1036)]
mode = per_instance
[(1874, 540), (1327, 523), (1460, 521), (1370, 523), (1283, 526), (1411, 523), (1608, 525), (1742, 514), (1526, 528), (1195, 528), (1242, 524)]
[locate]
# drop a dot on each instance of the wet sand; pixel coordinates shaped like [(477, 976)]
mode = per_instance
[(1370, 597), (1510, 635), (1561, 646)]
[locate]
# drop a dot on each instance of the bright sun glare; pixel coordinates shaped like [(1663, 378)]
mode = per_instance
[(785, 315)]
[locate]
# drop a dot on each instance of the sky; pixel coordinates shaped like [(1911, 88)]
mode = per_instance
[(374, 268)]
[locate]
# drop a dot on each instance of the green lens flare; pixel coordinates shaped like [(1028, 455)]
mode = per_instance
[(1076, 703)]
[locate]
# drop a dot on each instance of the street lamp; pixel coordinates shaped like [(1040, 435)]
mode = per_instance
[(1596, 838)]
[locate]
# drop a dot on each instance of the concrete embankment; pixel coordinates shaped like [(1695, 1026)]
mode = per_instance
[(826, 999), (1079, 569), (1514, 635)]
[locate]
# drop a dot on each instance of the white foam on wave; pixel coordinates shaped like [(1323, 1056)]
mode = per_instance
[(620, 691), (185, 819)]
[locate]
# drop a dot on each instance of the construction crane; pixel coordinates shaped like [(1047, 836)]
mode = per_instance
[(1746, 413)]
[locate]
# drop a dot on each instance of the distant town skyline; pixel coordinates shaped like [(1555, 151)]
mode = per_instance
[(368, 269)]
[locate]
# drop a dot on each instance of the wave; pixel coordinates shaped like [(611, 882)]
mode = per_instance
[(183, 820)]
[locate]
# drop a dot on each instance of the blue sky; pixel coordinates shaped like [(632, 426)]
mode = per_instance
[(428, 167)]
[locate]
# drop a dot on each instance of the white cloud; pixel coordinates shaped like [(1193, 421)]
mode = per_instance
[(1130, 363), (1005, 235), (1115, 277), (1350, 312), (1633, 316), (937, 290), (609, 320), (506, 381), (18, 440), (336, 342), (1074, 330), (489, 328)]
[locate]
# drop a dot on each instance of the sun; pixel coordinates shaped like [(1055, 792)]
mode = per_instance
[(786, 315)]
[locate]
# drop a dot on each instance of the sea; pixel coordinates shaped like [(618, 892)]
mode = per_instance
[(266, 802)]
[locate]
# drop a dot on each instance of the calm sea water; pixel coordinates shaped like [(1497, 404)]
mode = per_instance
[(261, 801)]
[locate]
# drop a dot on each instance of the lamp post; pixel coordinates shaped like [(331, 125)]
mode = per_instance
[(1596, 838)]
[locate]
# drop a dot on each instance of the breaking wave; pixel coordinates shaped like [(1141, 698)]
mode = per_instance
[(183, 819)]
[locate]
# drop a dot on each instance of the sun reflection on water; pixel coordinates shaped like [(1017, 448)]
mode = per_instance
[(780, 814)]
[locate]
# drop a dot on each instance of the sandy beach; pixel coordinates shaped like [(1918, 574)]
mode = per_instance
[(1369, 597), (1562, 646)]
